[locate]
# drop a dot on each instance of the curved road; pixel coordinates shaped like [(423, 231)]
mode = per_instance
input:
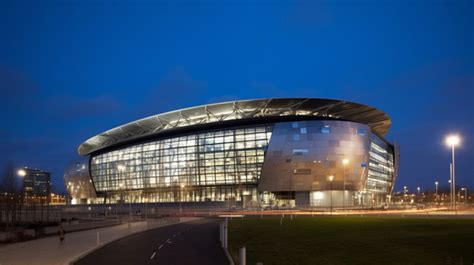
[(195, 242)]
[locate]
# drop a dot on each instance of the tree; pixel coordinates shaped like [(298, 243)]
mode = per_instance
[(11, 194)]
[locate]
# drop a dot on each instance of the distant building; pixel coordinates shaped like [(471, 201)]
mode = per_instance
[(36, 182)]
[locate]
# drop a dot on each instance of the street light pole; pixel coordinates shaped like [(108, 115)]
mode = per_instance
[(465, 195), (450, 185), (345, 161), (24, 200), (122, 168), (436, 184), (331, 178), (453, 182), (181, 187), (452, 141), (418, 200), (121, 200), (405, 194), (130, 196)]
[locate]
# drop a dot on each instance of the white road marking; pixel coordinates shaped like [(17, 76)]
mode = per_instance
[(160, 246), (153, 255)]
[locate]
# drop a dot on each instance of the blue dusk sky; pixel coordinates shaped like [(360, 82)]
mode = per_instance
[(71, 69)]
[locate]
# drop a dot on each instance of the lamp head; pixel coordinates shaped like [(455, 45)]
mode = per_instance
[(453, 140), (21, 172), (331, 178), (345, 161)]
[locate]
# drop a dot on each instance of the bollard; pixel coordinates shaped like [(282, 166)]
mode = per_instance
[(242, 256), (291, 217), (221, 233), (226, 225), (98, 241), (281, 221)]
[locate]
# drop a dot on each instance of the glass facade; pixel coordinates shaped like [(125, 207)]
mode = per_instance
[(228, 165), (381, 168), (214, 166)]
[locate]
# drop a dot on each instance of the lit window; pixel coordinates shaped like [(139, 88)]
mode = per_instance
[(296, 137), (360, 132), (300, 151), (318, 195), (302, 171), (294, 125), (326, 129), (303, 130)]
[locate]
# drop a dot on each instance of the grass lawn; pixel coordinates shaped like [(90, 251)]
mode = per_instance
[(353, 240)]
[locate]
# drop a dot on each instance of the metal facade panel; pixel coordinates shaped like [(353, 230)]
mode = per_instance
[(304, 164)]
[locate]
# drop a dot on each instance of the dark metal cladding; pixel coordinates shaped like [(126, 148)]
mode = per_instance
[(299, 108)]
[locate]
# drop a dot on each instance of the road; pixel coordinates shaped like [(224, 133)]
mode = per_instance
[(195, 242)]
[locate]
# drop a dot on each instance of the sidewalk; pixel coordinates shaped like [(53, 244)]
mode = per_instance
[(49, 251)]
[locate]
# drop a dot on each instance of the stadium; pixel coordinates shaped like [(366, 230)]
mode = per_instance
[(281, 152)]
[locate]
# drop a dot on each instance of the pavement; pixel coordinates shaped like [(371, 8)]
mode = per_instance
[(195, 242), (51, 252)]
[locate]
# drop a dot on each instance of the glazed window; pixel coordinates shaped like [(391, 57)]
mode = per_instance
[(360, 132), (300, 152), (296, 137), (326, 129)]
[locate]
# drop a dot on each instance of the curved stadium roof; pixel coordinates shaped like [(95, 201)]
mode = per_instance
[(377, 120)]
